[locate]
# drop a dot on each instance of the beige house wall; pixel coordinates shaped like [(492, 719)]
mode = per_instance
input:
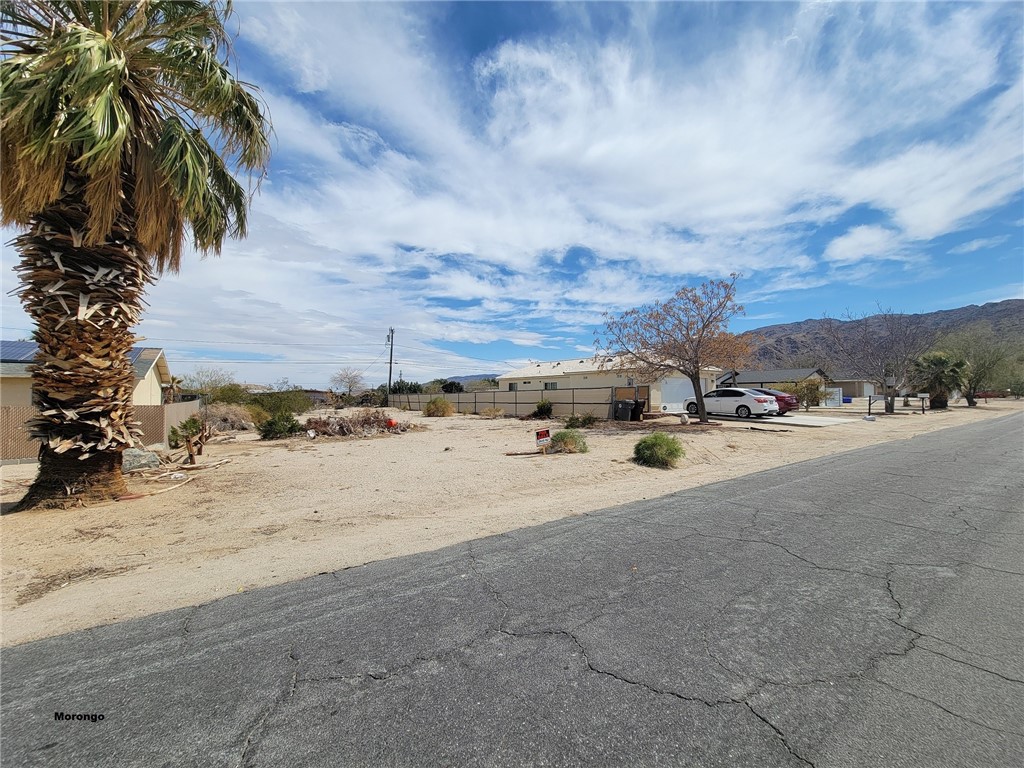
[(148, 391), (16, 391)]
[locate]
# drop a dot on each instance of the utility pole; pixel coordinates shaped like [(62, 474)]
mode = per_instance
[(391, 362)]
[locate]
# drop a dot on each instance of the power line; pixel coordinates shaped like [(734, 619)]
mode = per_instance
[(225, 343)]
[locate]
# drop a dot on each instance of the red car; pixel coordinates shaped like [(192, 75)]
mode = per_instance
[(786, 401)]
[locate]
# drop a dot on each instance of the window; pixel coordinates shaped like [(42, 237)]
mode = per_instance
[(512, 386), (550, 385)]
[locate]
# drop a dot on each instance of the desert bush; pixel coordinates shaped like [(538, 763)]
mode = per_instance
[(190, 427), (279, 425), (569, 441), (543, 410), (283, 401), (809, 392), (658, 450), (229, 393), (257, 413), (438, 406), (493, 413), (226, 416), (580, 421)]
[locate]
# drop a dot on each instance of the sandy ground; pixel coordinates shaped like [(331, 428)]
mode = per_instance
[(283, 510)]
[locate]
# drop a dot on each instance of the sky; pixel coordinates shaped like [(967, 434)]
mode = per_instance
[(490, 179)]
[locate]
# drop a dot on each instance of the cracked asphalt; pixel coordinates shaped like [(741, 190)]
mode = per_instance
[(864, 609)]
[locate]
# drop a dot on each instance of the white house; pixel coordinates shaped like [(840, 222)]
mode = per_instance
[(601, 372)]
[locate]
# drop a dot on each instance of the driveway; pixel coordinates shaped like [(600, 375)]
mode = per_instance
[(859, 610)]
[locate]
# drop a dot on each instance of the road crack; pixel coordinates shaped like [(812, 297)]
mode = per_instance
[(256, 732)]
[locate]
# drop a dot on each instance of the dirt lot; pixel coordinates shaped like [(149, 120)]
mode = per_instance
[(283, 510)]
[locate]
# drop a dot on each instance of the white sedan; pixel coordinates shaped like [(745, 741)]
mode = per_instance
[(734, 400)]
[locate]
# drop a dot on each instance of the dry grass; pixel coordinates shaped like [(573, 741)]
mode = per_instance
[(439, 407)]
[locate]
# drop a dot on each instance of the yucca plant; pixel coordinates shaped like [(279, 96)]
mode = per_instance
[(122, 128)]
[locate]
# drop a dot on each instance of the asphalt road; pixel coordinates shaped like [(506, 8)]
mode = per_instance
[(864, 609)]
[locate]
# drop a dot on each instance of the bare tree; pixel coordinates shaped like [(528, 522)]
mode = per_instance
[(684, 334), (206, 380), (879, 348), (348, 380)]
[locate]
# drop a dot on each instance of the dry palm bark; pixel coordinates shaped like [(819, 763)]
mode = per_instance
[(85, 301)]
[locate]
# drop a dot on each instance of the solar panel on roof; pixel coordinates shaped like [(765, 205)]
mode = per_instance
[(24, 351), (17, 351)]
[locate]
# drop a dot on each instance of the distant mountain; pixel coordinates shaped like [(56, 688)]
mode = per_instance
[(804, 344), (474, 377)]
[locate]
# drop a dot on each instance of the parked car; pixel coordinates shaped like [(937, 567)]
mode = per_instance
[(786, 401), (734, 400)]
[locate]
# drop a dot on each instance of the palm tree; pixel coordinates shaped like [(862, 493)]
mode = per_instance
[(939, 374), (121, 129), (173, 389)]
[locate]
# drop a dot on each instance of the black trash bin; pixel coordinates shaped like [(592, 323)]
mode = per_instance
[(638, 410), (623, 410)]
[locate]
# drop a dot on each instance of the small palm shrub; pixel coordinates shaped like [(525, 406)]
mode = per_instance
[(543, 410), (279, 425), (580, 421), (658, 450), (569, 441), (190, 427), (438, 406)]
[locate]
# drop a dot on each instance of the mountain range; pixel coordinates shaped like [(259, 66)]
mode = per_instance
[(805, 345)]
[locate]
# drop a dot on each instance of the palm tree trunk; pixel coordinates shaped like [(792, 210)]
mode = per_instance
[(84, 299)]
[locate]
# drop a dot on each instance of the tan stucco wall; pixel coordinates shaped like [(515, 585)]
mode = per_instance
[(16, 391), (147, 391)]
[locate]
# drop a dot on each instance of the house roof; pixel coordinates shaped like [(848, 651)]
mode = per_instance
[(553, 368), (16, 356), (773, 376)]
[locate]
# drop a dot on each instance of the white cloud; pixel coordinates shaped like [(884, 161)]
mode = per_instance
[(979, 244), (864, 243)]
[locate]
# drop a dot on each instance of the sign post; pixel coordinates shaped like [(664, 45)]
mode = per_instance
[(543, 439)]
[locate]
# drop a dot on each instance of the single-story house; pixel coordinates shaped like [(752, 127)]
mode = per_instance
[(601, 372), (152, 374), (771, 379), (853, 386)]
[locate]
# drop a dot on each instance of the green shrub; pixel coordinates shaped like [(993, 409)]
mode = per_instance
[(543, 410), (569, 441), (283, 401), (438, 406), (580, 421), (190, 427), (658, 450), (279, 425), (230, 393), (257, 414)]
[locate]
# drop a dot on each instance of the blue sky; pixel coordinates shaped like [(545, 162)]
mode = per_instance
[(489, 178)]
